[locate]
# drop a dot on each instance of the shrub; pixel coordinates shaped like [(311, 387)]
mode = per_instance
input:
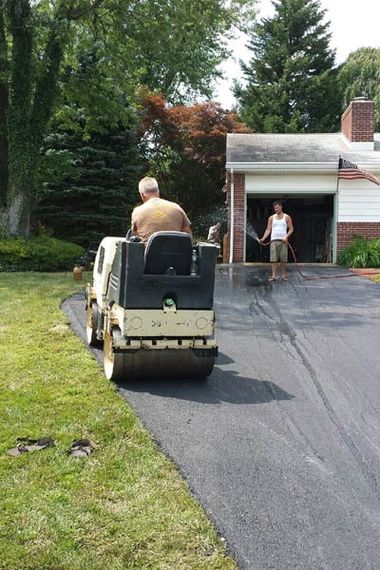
[(361, 253), (38, 254)]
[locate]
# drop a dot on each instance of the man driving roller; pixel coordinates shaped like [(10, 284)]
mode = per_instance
[(157, 214)]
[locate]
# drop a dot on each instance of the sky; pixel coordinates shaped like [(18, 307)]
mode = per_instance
[(354, 24)]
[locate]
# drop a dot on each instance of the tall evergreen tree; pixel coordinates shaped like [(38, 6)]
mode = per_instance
[(95, 195), (291, 83)]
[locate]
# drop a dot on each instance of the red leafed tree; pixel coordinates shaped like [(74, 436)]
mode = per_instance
[(185, 148)]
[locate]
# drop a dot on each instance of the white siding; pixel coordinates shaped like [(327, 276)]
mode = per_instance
[(359, 201), (290, 183)]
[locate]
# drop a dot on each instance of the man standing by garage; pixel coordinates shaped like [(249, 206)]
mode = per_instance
[(280, 228)]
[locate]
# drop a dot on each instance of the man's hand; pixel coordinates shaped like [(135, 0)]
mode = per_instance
[(285, 239)]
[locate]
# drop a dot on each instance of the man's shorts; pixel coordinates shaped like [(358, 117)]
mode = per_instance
[(278, 251)]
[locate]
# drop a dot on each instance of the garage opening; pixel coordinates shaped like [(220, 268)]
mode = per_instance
[(313, 219)]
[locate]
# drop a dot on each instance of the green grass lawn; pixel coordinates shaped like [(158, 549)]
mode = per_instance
[(125, 506)]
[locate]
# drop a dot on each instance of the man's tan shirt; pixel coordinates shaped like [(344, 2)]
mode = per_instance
[(158, 215)]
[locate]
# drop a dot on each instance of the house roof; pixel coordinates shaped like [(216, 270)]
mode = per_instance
[(296, 148)]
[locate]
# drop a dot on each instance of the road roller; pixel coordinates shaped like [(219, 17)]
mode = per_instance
[(151, 306)]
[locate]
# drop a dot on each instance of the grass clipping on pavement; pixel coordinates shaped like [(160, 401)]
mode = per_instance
[(124, 506)]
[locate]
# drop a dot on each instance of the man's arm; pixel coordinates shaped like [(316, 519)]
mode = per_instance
[(134, 223), (186, 224), (289, 222), (268, 230)]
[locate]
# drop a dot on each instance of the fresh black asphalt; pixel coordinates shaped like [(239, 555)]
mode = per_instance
[(281, 445)]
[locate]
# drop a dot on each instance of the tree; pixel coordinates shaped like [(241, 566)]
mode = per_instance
[(180, 43), (92, 184), (290, 82), (185, 148), (29, 81), (161, 44), (359, 76), (3, 109)]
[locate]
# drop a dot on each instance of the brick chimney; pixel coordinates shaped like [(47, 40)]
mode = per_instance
[(358, 124)]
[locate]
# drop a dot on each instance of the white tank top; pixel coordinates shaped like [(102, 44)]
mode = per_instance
[(279, 228)]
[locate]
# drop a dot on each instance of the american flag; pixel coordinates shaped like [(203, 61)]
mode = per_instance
[(349, 171)]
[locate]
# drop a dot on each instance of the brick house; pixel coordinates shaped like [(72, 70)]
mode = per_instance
[(301, 170)]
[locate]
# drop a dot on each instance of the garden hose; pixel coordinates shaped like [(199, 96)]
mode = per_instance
[(314, 277)]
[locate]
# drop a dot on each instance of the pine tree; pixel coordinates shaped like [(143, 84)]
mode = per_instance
[(291, 83), (96, 195)]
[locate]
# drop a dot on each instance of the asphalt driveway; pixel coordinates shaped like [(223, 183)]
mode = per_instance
[(282, 444)]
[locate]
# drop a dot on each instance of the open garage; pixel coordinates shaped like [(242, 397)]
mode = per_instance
[(313, 218)]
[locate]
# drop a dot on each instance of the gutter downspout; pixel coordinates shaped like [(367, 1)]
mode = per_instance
[(232, 217)]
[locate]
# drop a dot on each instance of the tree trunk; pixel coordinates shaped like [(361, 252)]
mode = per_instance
[(19, 128), (3, 113), (41, 109)]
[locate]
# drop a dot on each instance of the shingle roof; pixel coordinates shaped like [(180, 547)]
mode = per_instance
[(296, 148)]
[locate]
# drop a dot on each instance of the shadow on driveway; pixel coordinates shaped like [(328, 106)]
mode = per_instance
[(222, 386)]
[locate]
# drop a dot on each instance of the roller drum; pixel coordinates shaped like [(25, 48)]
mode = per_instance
[(158, 364)]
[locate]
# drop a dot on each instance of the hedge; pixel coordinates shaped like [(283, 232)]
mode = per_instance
[(38, 254)]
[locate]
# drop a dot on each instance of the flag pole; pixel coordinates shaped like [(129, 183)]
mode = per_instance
[(337, 176)]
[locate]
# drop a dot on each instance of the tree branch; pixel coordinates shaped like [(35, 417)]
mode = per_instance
[(77, 13), (47, 82)]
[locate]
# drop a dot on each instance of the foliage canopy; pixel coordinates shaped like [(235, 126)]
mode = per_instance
[(84, 60), (359, 76), (290, 83), (184, 147)]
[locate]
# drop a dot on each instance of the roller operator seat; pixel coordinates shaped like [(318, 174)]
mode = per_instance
[(168, 251)]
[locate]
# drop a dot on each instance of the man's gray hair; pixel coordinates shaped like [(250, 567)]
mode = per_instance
[(147, 185)]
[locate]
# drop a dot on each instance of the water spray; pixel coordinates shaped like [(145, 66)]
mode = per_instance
[(253, 234)]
